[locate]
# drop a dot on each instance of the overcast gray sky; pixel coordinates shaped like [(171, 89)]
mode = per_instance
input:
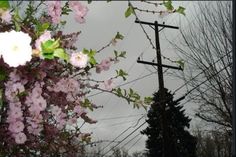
[(102, 22)]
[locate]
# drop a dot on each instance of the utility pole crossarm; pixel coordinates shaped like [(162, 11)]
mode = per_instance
[(163, 65), (161, 25)]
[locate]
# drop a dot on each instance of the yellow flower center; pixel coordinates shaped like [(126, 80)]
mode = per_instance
[(78, 57), (15, 48)]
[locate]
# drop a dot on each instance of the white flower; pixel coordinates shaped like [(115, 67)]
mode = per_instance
[(79, 59), (15, 48)]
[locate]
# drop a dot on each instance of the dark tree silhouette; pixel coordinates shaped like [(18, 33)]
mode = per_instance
[(181, 142)]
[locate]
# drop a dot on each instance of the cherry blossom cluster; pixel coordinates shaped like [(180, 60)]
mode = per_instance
[(15, 113), (45, 80)]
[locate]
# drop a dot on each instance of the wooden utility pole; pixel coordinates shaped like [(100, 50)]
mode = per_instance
[(166, 141)]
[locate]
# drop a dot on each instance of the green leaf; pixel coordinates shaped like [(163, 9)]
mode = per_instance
[(1, 99), (148, 100), (4, 4), (119, 36), (181, 10), (121, 73), (40, 28), (118, 92), (85, 51), (45, 26), (90, 1), (168, 5), (48, 55), (92, 53), (50, 45), (2, 74), (17, 19), (109, 1), (87, 104), (122, 54), (60, 53), (92, 61), (116, 53), (66, 9), (181, 63), (129, 11), (22, 94)]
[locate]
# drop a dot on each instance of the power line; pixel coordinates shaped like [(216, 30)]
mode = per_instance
[(130, 140), (139, 78), (206, 81), (116, 124), (123, 132), (120, 117), (135, 143), (201, 72), (125, 138)]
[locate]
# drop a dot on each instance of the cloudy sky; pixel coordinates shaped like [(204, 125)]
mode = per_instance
[(102, 22)]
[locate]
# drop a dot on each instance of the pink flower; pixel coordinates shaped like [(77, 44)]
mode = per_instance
[(16, 127), (56, 110), (107, 84), (104, 65), (20, 138), (6, 16), (44, 37), (79, 110), (79, 10), (34, 131), (54, 10), (72, 85), (34, 124), (41, 103), (14, 76), (79, 59), (61, 122), (72, 121), (15, 106), (13, 115)]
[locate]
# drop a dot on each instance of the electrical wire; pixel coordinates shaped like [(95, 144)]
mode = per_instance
[(206, 80), (201, 72), (130, 140), (135, 142), (125, 138), (120, 117), (123, 133)]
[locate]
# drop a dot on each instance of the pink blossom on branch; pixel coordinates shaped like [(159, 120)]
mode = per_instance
[(79, 10), (16, 127), (44, 37), (54, 10), (79, 59), (108, 84), (6, 16), (20, 138), (78, 110), (104, 65)]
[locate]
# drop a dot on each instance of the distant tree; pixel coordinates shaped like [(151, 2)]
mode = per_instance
[(212, 143), (140, 154), (182, 143)]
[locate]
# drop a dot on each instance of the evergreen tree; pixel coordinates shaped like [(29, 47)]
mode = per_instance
[(181, 142)]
